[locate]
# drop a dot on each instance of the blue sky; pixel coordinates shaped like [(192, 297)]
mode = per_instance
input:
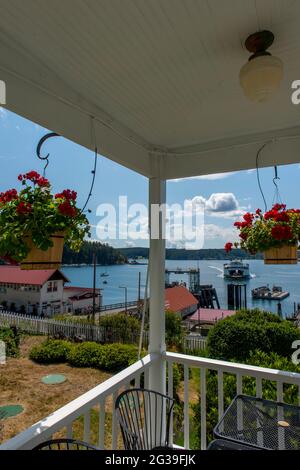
[(226, 196)]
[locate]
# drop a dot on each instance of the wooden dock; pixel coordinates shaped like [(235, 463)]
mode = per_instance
[(265, 293)]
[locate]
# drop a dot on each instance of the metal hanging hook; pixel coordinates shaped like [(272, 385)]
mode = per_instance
[(39, 146), (276, 177), (277, 197)]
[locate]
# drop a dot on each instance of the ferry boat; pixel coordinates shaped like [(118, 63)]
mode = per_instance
[(236, 270)]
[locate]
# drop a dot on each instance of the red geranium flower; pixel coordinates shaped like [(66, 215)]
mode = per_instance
[(66, 209), (281, 232), (8, 196), (278, 207), (243, 235), (23, 208), (67, 194), (35, 178), (228, 247), (282, 217)]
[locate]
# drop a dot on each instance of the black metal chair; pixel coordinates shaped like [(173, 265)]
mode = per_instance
[(64, 444), (144, 417), (223, 444)]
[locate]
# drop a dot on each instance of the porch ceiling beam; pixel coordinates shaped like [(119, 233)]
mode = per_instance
[(234, 154), (35, 92)]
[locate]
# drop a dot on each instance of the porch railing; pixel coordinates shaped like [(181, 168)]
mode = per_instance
[(105, 394), (240, 371)]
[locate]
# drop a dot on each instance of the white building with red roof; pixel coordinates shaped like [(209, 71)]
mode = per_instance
[(42, 292), (179, 299)]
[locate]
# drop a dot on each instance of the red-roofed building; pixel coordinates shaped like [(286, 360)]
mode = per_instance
[(210, 315), (80, 299), (179, 299), (42, 292)]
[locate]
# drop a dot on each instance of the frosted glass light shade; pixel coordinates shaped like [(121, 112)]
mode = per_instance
[(261, 77)]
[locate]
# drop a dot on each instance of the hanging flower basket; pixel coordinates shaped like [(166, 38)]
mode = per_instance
[(44, 259), (275, 233), (286, 254), (35, 224)]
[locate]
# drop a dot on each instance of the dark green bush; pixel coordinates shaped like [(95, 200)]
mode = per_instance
[(86, 354), (115, 357), (121, 322), (51, 351), (235, 337), (109, 357), (174, 329), (11, 338)]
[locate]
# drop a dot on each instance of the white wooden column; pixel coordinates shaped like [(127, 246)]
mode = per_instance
[(157, 344)]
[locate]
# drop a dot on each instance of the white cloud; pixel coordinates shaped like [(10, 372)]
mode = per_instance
[(222, 205), (212, 232), (214, 176), (222, 202)]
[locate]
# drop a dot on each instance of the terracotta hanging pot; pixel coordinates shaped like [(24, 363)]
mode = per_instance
[(48, 259), (287, 254)]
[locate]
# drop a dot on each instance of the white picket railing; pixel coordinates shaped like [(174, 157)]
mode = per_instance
[(64, 418)]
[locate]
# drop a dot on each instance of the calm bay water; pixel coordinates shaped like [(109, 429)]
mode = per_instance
[(210, 273)]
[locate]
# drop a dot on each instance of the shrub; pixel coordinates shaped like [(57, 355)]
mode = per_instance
[(86, 354), (116, 357), (235, 337), (110, 357), (11, 338), (121, 323), (174, 330), (51, 351), (121, 326)]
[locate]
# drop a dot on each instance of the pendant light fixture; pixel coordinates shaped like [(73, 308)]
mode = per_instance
[(260, 77)]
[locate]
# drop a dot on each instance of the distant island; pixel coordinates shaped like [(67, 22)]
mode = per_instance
[(182, 254), (105, 254)]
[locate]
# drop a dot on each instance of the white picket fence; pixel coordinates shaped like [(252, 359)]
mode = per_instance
[(85, 332), (62, 329), (194, 343)]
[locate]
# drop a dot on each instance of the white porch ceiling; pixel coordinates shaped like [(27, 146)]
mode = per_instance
[(160, 77)]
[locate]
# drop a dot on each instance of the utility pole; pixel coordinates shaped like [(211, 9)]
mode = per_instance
[(125, 290), (139, 288), (94, 285)]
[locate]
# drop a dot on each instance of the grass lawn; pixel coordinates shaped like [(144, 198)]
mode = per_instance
[(20, 383)]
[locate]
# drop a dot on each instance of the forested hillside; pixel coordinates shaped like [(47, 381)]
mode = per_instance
[(105, 253)]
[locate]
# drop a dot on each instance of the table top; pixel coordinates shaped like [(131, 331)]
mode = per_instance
[(261, 423)]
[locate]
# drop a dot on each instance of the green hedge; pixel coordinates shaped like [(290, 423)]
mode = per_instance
[(11, 338), (51, 351), (109, 357), (237, 336)]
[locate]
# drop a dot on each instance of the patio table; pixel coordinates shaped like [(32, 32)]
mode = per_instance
[(263, 424)]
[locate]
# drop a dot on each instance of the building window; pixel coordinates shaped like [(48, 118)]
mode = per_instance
[(52, 286)]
